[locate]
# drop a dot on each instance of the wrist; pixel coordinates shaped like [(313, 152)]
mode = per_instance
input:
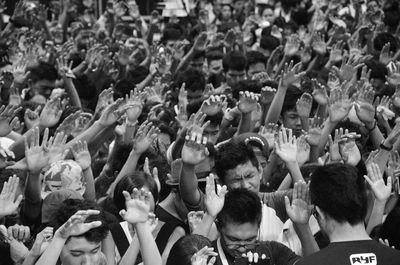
[(371, 125), (386, 145)]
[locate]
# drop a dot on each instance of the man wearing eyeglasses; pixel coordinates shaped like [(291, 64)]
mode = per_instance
[(239, 225)]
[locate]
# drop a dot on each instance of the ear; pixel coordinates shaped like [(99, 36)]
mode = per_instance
[(321, 214), (30, 83), (260, 170)]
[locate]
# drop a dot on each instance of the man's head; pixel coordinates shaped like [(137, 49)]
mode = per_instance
[(197, 62), (171, 34), (214, 62), (256, 63), (234, 64), (289, 116), (237, 166), (195, 84), (86, 248), (339, 195), (239, 221), (42, 79)]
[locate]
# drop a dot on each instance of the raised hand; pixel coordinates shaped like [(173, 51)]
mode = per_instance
[(319, 93), (334, 152), (290, 74), (349, 68), (319, 45), (76, 226), (339, 105), (385, 56), (303, 105), (214, 201), (393, 164), (393, 77), (69, 123), (8, 119), (81, 154), (105, 99), (112, 113), (292, 45), (8, 203), (65, 70), (261, 77), (145, 136), (31, 118), (336, 52), (200, 44), (269, 132), (194, 150), (51, 113), (137, 206), (19, 232), (213, 105), (286, 146), (230, 38), (314, 133), (202, 256), (55, 148), (365, 109), (42, 241), (349, 150), (303, 150), (19, 72), (375, 179), (35, 154), (247, 102), (154, 174), (267, 95), (134, 105), (299, 211), (194, 218)]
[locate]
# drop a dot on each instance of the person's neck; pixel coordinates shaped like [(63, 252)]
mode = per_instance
[(168, 205), (346, 232)]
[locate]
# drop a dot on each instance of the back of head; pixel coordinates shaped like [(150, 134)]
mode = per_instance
[(235, 61), (42, 71), (232, 154), (241, 206), (194, 80), (390, 228), (70, 206), (183, 250), (340, 193)]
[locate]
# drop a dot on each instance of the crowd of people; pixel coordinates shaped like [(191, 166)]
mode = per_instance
[(224, 132)]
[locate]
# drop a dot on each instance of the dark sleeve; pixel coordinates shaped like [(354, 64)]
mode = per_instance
[(282, 255), (199, 207), (276, 200), (5, 256)]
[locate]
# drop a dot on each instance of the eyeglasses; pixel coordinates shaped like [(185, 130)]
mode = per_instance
[(247, 246)]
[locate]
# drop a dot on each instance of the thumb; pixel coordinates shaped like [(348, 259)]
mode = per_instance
[(122, 213), (287, 203)]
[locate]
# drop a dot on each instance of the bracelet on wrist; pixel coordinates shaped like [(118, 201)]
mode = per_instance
[(384, 147), (373, 127)]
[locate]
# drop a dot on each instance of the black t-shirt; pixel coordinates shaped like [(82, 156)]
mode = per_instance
[(354, 253)]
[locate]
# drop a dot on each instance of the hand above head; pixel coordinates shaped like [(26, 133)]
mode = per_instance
[(19, 232), (35, 154), (134, 105), (214, 201), (51, 113), (112, 113), (137, 206), (292, 45), (81, 154), (76, 226), (267, 95), (8, 203), (335, 55), (105, 99), (319, 45), (319, 93), (349, 67), (213, 105), (154, 173), (303, 150), (313, 136), (194, 150), (286, 146), (348, 149), (299, 211), (365, 109), (291, 74), (8, 119), (303, 105), (69, 124), (339, 105), (375, 179), (202, 257), (393, 76), (247, 102), (65, 69), (145, 136), (31, 118), (269, 132), (200, 44)]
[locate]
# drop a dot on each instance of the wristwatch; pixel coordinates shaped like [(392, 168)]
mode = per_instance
[(384, 147)]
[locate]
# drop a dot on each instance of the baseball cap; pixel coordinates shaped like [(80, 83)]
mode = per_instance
[(53, 201)]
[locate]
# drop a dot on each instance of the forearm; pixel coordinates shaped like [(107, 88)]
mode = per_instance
[(88, 134), (132, 252), (286, 183), (185, 61), (51, 254), (145, 82), (32, 204), (376, 217), (46, 30), (244, 124), (321, 111), (148, 246), (90, 193), (304, 123), (205, 225), (188, 185), (314, 155), (270, 167), (375, 134), (73, 94), (178, 145), (276, 106), (307, 239), (95, 143), (295, 172), (129, 166), (30, 259), (326, 131), (14, 136)]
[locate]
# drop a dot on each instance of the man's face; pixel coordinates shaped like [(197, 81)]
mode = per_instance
[(79, 251), (194, 95), (170, 44), (262, 160), (255, 69), (239, 6), (215, 67), (226, 12), (43, 87), (211, 132), (234, 76), (291, 120), (240, 238), (197, 64), (268, 15), (244, 176)]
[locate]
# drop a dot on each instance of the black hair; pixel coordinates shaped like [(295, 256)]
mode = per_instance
[(138, 180), (262, 7), (232, 154), (70, 206), (390, 228), (340, 192), (214, 55), (198, 55), (292, 95), (194, 80), (183, 249), (42, 71), (378, 69), (382, 38), (241, 206), (254, 57), (246, 85), (269, 43), (172, 32), (234, 60)]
